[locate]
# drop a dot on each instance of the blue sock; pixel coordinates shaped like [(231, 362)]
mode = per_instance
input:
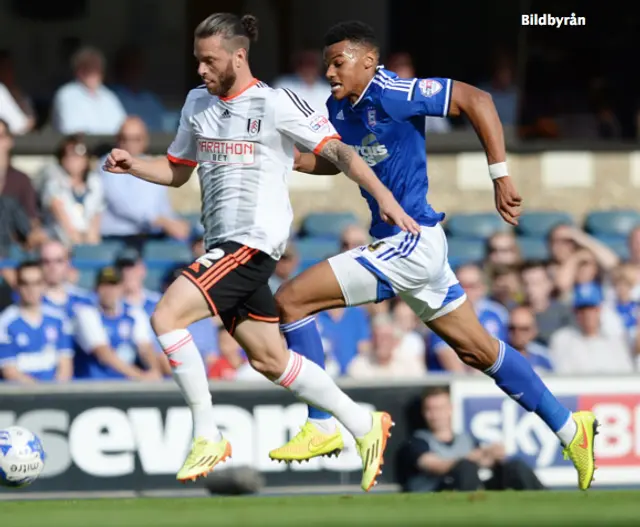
[(514, 376), (302, 336)]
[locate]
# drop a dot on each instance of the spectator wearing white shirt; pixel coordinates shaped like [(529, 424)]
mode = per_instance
[(15, 106), (587, 349), (85, 105), (135, 208), (72, 195), (386, 359), (307, 81)]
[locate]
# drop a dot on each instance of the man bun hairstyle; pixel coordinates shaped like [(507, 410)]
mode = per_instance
[(240, 32), (250, 25), (353, 31)]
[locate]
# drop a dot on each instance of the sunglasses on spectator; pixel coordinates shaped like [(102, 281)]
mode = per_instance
[(47, 261), (131, 138), (30, 283), (501, 249), (520, 328)]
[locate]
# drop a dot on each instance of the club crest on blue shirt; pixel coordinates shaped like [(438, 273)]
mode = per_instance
[(253, 126), (51, 334), (429, 87), (371, 116)]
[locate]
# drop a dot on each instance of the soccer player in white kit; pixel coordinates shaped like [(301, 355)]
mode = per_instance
[(242, 133)]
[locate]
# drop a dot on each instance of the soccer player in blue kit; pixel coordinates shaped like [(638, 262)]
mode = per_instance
[(382, 117)]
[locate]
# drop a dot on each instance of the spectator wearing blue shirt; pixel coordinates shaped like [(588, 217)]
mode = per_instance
[(135, 208), (493, 317), (623, 280), (59, 292), (345, 334), (35, 344), (523, 332), (136, 100), (85, 105), (134, 272), (115, 340)]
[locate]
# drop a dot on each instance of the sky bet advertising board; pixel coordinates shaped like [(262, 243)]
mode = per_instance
[(483, 410)]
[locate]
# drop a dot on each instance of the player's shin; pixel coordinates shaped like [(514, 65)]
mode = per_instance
[(303, 337), (312, 384), (514, 375), (189, 372)]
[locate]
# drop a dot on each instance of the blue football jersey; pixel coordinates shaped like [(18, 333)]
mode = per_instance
[(76, 296), (123, 332), (34, 347), (386, 126)]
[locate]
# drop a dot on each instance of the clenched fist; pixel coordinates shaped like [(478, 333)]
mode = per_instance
[(118, 161)]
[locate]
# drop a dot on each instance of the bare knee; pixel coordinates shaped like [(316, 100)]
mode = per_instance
[(270, 363), (478, 350), (290, 303), (164, 320)]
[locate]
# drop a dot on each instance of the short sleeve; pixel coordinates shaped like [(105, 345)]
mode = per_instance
[(141, 327), (90, 332), (437, 344), (65, 338), (7, 348), (182, 151), (299, 121), (404, 99)]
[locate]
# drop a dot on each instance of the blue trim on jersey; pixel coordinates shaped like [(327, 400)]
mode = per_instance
[(384, 290), (454, 292)]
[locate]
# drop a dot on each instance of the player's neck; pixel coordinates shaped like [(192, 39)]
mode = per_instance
[(243, 81), (359, 91)]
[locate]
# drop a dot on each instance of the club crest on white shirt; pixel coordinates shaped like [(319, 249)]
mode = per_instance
[(253, 126)]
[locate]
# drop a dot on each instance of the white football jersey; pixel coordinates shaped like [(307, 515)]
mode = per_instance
[(243, 147)]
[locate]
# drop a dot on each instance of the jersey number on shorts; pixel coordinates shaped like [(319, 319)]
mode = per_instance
[(206, 260)]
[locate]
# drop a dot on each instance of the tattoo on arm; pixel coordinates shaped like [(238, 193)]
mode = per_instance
[(339, 154)]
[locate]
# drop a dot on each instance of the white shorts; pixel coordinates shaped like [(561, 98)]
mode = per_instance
[(414, 267)]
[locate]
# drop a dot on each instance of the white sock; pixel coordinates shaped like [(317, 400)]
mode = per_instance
[(310, 383), (190, 374), (326, 426), (568, 431)]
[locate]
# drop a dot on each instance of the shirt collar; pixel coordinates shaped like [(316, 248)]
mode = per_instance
[(366, 89)]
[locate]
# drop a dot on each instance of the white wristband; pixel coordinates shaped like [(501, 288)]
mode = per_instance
[(498, 170)]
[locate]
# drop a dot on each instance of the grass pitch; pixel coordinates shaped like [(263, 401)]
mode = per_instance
[(602, 508)]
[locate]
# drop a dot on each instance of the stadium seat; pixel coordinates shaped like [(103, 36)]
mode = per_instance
[(192, 217), (539, 223), (154, 278), (86, 256), (305, 264), (617, 244), (465, 250), (18, 254), (533, 248), (165, 253), (479, 226), (329, 224), (612, 223), (87, 278), (313, 248)]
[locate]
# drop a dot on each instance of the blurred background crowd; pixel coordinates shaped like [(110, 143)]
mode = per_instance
[(86, 254)]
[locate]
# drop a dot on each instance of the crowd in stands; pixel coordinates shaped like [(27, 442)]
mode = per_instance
[(84, 255)]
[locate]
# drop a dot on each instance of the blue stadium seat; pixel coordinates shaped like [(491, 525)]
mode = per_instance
[(87, 279), (480, 226), (154, 278), (17, 254), (305, 264), (313, 248), (539, 223), (465, 250), (617, 244), (327, 223), (533, 248), (165, 253), (95, 256), (192, 217), (612, 223)]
